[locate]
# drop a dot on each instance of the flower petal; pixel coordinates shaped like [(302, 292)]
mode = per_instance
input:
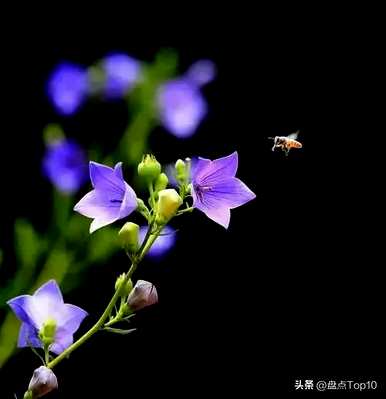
[(28, 336), (231, 193), (129, 202), (50, 291), (70, 317), (220, 215), (103, 178), (217, 170), (96, 204), (21, 306), (100, 222), (63, 339)]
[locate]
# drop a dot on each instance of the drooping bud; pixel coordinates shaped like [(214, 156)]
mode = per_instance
[(143, 294), (162, 182), (180, 168), (128, 237), (128, 285), (168, 203), (43, 381), (47, 332), (149, 169)]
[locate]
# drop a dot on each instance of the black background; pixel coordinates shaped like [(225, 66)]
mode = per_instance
[(293, 289)]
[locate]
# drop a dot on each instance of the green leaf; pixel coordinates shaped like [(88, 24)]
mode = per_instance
[(119, 331)]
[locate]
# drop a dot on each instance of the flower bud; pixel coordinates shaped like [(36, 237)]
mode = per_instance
[(128, 237), (168, 203), (128, 285), (161, 182), (143, 294), (149, 169), (47, 332), (180, 168), (43, 381)]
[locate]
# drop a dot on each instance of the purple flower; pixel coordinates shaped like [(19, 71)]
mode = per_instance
[(112, 198), (216, 190), (143, 294), (121, 74), (65, 165), (46, 306), (162, 244), (182, 107), (67, 87), (202, 72)]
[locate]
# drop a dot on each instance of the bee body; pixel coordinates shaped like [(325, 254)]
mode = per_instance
[(286, 143)]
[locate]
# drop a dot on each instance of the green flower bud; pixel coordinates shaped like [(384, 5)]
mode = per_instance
[(161, 182), (149, 169), (47, 332), (180, 168), (128, 285), (168, 203), (128, 237)]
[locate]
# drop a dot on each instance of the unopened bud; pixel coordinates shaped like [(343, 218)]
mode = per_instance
[(149, 169), (128, 237), (128, 285), (143, 294), (43, 381), (180, 171), (162, 182), (168, 203)]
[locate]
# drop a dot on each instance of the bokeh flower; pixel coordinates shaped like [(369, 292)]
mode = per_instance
[(65, 165), (67, 87), (46, 308), (162, 244), (121, 73), (182, 107), (112, 198), (143, 294), (216, 190), (201, 72)]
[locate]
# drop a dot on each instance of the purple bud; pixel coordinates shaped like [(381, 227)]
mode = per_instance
[(42, 382), (143, 294)]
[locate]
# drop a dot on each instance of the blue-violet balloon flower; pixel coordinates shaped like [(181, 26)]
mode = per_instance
[(216, 190), (46, 306), (110, 200)]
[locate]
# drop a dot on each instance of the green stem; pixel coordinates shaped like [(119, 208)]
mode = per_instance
[(100, 323)]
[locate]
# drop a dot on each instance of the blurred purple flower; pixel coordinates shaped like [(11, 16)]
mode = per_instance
[(143, 294), (67, 87), (65, 165), (216, 190), (46, 305), (182, 107), (162, 244), (121, 74), (201, 72), (112, 198)]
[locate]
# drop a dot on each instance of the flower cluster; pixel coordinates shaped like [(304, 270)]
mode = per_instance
[(211, 187), (180, 102)]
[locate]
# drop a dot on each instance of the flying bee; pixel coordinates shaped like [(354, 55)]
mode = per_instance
[(285, 143)]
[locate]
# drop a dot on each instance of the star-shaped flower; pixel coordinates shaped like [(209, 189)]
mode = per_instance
[(216, 190), (45, 306), (112, 198)]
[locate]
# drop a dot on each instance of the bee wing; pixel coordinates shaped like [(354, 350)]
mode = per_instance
[(293, 136)]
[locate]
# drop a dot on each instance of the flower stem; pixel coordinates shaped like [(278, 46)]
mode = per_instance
[(100, 323)]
